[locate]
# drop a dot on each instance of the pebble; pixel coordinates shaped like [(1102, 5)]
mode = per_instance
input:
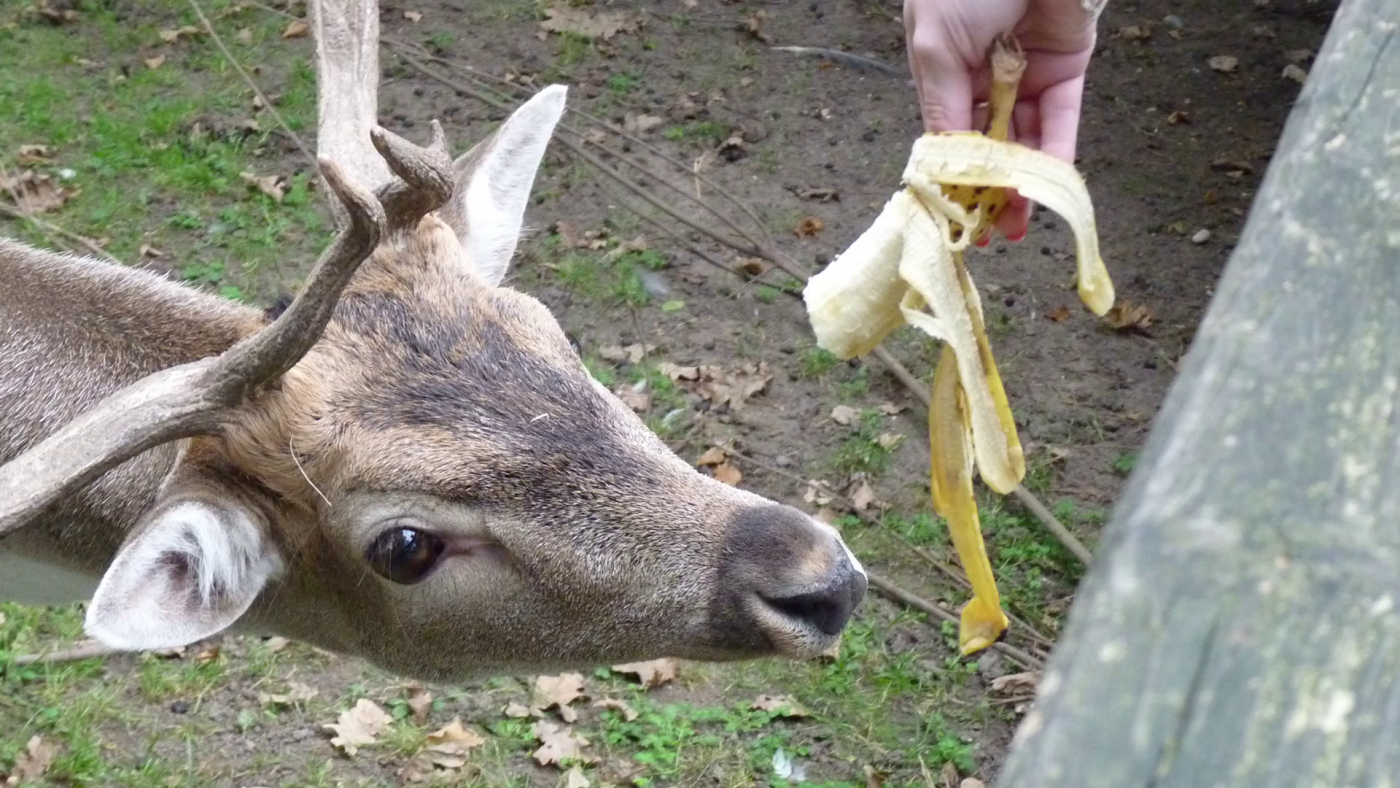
[(1174, 22), (1200, 237)]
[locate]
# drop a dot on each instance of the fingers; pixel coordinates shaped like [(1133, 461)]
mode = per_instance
[(943, 84), (1059, 108)]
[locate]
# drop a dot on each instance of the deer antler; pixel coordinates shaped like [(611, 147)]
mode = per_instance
[(191, 399), (424, 181)]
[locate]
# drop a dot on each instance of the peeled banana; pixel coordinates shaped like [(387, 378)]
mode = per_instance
[(908, 268)]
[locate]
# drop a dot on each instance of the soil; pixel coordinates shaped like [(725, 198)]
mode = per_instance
[(1169, 147)]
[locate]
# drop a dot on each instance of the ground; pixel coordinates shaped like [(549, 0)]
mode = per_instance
[(151, 140)]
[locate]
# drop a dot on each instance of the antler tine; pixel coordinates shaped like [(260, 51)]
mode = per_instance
[(192, 399), (425, 176)]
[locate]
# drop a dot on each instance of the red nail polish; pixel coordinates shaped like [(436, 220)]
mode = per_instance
[(986, 239), (1021, 236)]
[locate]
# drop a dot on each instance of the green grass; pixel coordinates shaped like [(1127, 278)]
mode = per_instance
[(861, 451)]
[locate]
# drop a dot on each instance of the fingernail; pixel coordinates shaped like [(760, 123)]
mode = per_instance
[(1020, 236), (986, 239)]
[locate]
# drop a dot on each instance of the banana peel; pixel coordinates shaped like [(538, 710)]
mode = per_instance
[(909, 264)]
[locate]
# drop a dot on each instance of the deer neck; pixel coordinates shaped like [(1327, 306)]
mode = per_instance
[(72, 331)]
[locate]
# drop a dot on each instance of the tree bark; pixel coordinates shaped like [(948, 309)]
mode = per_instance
[(1241, 625)]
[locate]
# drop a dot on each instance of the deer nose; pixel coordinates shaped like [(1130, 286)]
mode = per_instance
[(828, 607)]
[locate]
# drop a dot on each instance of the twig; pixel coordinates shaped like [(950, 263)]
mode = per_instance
[(1029, 631), (1069, 540), (52, 229), (85, 650), (888, 589)]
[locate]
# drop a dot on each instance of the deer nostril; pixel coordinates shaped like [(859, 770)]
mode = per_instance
[(829, 608)]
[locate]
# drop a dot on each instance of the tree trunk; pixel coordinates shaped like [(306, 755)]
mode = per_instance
[(1241, 626)]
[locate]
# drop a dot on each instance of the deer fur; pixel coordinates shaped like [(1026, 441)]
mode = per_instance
[(437, 399)]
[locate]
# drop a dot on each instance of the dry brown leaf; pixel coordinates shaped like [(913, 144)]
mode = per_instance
[(728, 474), (637, 400), (632, 354), (810, 225), (628, 713), (449, 746), (56, 15), (652, 673), (734, 388), (889, 440), (677, 372), (1295, 73), (844, 414), (271, 185), (579, 22), (575, 779), (206, 655), (819, 195), (35, 192), (244, 35), (712, 456), (1298, 55), (33, 154), (420, 702), (413, 16), (634, 123), (33, 762), (875, 778), (359, 727), (752, 266), (862, 497), (1225, 64), (172, 36), (891, 409), (517, 710), (1127, 316), (1058, 313), (1135, 32), (297, 28), (558, 691), (274, 645), (949, 774), (1014, 684), (782, 705), (154, 62), (1178, 117), (297, 693), (818, 492), (558, 742), (754, 25)]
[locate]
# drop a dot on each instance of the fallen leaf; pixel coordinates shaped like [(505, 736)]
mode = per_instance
[(1225, 64), (728, 474), (862, 497), (206, 655), (1298, 55), (1295, 73), (154, 62), (56, 15), (1134, 32), (810, 225), (782, 705), (820, 195), (33, 762), (889, 440), (558, 691), (636, 399), (271, 185), (274, 645), (1126, 316), (754, 25), (172, 36), (558, 742), (413, 16), (818, 492), (575, 779), (875, 778), (449, 746), (1178, 117), (244, 35), (891, 409), (734, 387), (577, 21), (297, 693), (628, 713), (844, 414), (297, 28), (712, 456), (632, 354), (1058, 313), (652, 673), (752, 266), (1016, 683), (359, 727), (677, 372), (35, 192), (420, 703), (33, 154), (1263, 31), (634, 123), (517, 710), (1230, 166), (949, 773)]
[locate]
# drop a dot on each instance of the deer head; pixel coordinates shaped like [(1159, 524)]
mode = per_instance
[(438, 484)]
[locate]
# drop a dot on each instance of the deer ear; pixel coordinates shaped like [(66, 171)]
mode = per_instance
[(494, 180), (190, 571)]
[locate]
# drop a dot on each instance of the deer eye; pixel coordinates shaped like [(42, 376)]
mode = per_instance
[(404, 555)]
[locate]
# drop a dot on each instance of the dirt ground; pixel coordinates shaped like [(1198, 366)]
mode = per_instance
[(1173, 144)]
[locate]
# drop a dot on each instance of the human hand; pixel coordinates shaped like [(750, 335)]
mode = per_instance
[(948, 42)]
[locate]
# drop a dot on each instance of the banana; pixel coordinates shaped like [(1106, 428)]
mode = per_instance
[(907, 267)]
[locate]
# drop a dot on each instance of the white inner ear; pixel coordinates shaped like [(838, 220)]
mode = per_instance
[(190, 573), (500, 185)]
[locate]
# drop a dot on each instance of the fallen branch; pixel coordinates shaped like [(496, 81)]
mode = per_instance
[(51, 229), (88, 649)]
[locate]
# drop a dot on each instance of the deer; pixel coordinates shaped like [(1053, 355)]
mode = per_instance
[(410, 464)]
